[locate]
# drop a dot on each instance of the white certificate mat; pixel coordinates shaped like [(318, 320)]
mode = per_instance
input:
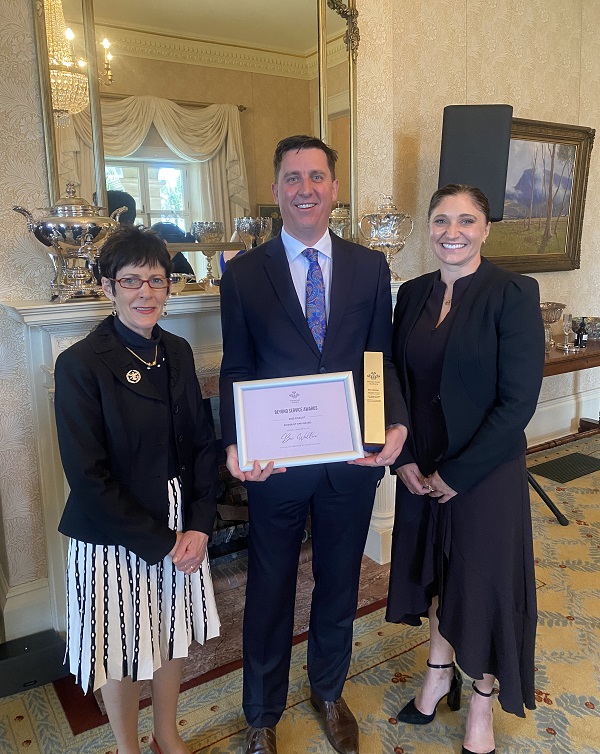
[(297, 421)]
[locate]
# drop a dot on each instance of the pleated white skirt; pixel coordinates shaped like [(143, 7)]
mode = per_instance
[(125, 617)]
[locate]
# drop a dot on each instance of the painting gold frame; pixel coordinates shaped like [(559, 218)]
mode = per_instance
[(543, 236)]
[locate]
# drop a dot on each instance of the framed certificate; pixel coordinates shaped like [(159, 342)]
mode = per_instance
[(297, 421)]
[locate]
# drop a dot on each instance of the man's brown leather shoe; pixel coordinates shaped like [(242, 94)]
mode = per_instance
[(261, 741), (340, 724)]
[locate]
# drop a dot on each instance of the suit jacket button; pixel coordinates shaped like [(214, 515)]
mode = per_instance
[(180, 438), (183, 467), (322, 370), (175, 409)]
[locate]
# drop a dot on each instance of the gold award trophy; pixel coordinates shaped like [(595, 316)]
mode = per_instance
[(374, 436)]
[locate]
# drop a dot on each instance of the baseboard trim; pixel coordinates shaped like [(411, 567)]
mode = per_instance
[(560, 416), (26, 608)]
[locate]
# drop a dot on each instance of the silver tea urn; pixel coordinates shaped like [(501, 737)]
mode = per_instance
[(387, 230), (73, 231)]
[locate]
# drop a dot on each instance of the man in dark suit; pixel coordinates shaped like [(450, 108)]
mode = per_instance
[(273, 328)]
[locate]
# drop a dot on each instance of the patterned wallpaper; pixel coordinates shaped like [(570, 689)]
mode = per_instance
[(414, 58), (25, 270)]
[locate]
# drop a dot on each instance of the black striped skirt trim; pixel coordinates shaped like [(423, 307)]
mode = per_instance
[(124, 617)]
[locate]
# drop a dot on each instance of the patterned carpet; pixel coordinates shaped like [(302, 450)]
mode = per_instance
[(387, 666)]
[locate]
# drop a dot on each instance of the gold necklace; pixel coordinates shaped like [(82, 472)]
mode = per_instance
[(147, 363)]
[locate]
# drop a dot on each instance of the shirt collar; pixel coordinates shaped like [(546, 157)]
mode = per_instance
[(294, 247)]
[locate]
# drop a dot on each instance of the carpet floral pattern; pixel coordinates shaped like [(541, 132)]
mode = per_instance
[(387, 667)]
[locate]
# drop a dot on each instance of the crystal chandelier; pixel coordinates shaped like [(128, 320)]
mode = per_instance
[(68, 82)]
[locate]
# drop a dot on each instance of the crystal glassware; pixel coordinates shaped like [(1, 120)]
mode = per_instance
[(253, 230), (567, 324)]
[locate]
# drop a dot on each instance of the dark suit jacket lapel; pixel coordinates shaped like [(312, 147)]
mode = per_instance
[(278, 270), (342, 276), (120, 362)]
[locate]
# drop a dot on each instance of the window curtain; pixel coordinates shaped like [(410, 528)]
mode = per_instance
[(209, 137)]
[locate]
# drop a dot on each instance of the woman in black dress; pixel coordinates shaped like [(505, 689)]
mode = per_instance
[(139, 456), (469, 348)]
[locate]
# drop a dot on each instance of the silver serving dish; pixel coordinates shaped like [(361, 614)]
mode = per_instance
[(178, 282), (73, 232)]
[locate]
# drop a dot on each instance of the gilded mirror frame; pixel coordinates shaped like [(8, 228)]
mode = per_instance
[(345, 10)]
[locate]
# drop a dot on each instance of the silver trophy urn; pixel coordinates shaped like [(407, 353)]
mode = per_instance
[(387, 230), (73, 231)]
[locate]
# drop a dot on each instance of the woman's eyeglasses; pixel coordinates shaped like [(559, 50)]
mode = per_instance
[(133, 283)]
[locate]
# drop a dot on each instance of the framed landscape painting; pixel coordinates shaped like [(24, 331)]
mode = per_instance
[(546, 183)]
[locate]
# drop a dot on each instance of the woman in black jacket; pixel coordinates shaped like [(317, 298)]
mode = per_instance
[(139, 456), (469, 348)]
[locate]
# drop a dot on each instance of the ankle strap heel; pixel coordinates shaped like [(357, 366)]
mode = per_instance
[(440, 667), (481, 693)]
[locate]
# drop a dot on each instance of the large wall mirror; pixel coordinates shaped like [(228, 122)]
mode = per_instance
[(272, 68)]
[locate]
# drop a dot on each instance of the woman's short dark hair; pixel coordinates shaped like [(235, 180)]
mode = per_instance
[(453, 189), (133, 245), (297, 143)]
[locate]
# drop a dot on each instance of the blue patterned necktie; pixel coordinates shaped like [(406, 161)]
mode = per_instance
[(316, 315)]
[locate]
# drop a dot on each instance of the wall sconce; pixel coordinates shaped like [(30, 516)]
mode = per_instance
[(106, 76)]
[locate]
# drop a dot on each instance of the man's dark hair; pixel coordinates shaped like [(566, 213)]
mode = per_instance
[(454, 189), (297, 143), (132, 245), (116, 199)]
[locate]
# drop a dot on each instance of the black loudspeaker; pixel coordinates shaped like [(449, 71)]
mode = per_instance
[(475, 146), (31, 661)]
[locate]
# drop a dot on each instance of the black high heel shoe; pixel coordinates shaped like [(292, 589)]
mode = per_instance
[(481, 693), (411, 715)]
